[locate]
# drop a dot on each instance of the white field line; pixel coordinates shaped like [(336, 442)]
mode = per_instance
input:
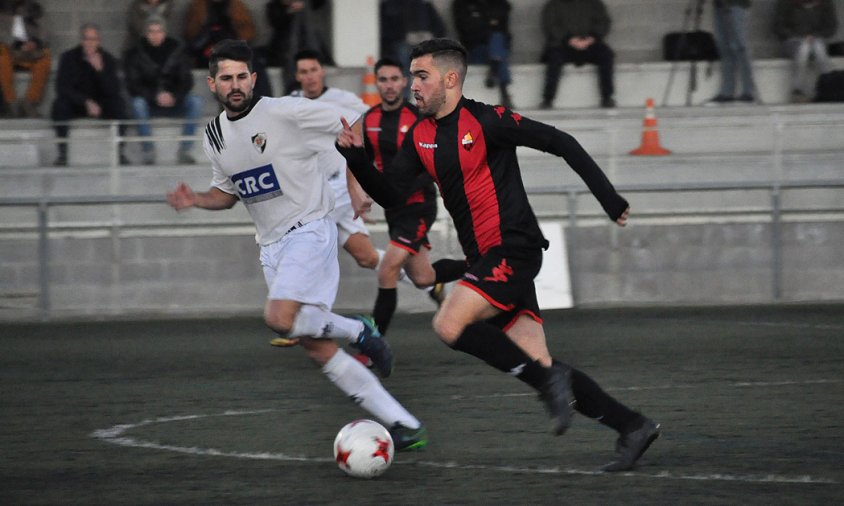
[(116, 435)]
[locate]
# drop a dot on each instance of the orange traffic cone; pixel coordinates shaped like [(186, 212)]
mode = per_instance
[(650, 134), (370, 91)]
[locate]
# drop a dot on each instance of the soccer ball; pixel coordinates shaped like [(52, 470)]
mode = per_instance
[(363, 449)]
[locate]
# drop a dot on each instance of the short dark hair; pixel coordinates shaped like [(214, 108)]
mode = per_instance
[(387, 62), (229, 49), (308, 54), (443, 51)]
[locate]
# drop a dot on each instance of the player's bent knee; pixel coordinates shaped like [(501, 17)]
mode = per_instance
[(319, 350), (281, 324), (446, 329)]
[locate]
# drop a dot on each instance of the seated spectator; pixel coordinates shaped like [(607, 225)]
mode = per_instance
[(87, 86), (803, 27), (483, 26), (574, 33), (158, 77), (294, 29), (23, 46), (138, 13), (210, 21), (405, 23)]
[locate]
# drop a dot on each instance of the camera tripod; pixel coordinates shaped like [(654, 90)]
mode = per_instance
[(692, 16)]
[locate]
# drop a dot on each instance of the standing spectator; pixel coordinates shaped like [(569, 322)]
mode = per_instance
[(803, 26), (574, 33), (138, 13), (87, 86), (159, 79), (294, 29), (23, 45), (483, 26), (405, 23), (731, 20), (210, 21)]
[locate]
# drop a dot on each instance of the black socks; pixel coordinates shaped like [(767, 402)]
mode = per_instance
[(385, 307)]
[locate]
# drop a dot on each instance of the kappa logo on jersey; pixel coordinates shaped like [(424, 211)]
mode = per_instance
[(259, 142), (257, 185), (427, 145), (468, 142), (500, 272)]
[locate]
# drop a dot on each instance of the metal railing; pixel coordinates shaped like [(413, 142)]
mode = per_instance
[(773, 214)]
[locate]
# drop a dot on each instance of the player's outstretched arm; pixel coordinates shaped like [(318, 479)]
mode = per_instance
[(350, 145), (183, 197)]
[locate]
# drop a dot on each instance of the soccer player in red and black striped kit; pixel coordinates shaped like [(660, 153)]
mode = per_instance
[(469, 148), (408, 223)]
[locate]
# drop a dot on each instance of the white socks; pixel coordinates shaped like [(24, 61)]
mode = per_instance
[(313, 321), (359, 383)]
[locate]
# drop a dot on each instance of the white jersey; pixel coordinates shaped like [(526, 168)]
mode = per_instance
[(351, 107), (268, 159)]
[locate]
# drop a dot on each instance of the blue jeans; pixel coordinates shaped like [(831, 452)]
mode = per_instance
[(190, 109), (495, 50), (731, 37)]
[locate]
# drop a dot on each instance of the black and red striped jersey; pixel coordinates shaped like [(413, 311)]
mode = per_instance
[(384, 132), (471, 155)]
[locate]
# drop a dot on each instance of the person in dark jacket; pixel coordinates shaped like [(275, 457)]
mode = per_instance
[(87, 86), (405, 23), (483, 27), (295, 27), (574, 33), (804, 26), (159, 79)]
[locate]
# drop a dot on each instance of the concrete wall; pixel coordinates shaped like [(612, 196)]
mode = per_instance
[(707, 263)]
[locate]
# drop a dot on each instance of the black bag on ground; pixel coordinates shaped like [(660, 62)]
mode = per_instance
[(689, 46), (830, 87)]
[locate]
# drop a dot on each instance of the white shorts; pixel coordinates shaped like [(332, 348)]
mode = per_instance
[(303, 266), (347, 224)]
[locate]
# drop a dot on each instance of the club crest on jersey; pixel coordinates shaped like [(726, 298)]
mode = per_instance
[(404, 128), (256, 185), (468, 142), (259, 142)]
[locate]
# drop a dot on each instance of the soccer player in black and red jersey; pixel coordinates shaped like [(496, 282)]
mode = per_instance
[(469, 148), (408, 223)]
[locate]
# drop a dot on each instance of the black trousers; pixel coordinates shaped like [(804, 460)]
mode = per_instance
[(64, 110), (599, 53)]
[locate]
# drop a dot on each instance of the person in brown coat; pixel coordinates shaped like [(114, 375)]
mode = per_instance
[(23, 46)]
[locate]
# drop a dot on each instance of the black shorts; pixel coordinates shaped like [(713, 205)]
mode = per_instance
[(504, 277), (408, 225)]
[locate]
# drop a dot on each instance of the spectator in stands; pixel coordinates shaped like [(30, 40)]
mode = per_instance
[(483, 27), (87, 86), (405, 23), (294, 29), (158, 77), (731, 20), (210, 21), (803, 26), (138, 13), (574, 33), (23, 45)]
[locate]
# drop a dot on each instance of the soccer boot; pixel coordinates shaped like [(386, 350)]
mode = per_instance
[(363, 359), (631, 445), (558, 398), (284, 342), (437, 293), (405, 438), (373, 346)]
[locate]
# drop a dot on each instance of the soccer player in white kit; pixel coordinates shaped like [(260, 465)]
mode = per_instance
[(266, 155)]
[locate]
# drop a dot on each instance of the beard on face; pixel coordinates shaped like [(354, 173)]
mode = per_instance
[(433, 104), (242, 106)]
